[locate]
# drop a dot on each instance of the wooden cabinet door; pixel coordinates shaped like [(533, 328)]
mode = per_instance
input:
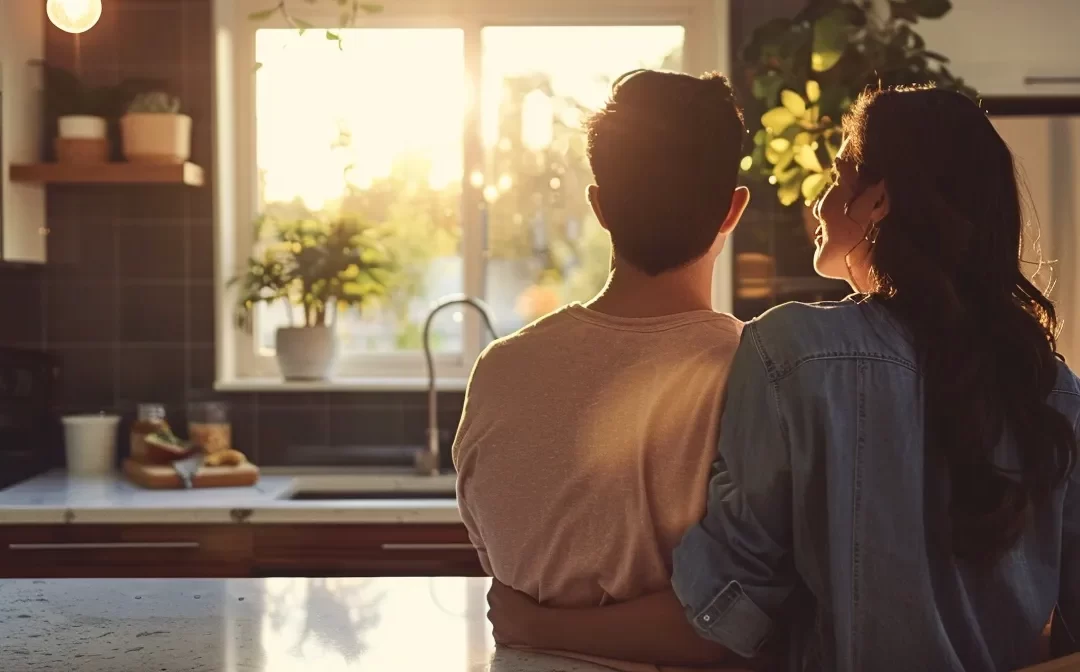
[(364, 550), (125, 551)]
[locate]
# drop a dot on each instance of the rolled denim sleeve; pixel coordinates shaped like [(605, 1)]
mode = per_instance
[(733, 570)]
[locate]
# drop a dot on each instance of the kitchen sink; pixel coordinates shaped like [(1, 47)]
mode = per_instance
[(323, 495)]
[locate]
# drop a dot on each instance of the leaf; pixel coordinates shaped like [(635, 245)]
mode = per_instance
[(779, 144), (371, 8), (813, 90), (766, 87), (788, 193), (777, 120), (806, 157), (903, 11), (830, 40), (332, 36), (931, 9), (812, 185), (793, 102), (262, 14)]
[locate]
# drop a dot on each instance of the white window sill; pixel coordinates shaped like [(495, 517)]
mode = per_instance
[(340, 385)]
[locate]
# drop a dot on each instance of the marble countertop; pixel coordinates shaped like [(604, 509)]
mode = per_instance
[(256, 625), (56, 497)]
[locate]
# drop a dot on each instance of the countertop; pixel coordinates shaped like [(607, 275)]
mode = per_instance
[(256, 625), (56, 497)]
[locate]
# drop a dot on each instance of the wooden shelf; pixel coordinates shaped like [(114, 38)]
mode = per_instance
[(108, 173)]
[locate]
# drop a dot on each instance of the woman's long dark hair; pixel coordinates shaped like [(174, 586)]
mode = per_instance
[(947, 264)]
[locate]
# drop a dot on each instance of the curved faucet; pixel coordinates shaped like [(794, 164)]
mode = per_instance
[(427, 461)]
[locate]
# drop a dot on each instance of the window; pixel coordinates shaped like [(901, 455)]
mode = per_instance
[(459, 137)]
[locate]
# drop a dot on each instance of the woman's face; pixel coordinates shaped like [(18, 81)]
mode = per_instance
[(841, 248)]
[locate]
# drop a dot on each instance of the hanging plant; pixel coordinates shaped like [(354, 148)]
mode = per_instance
[(805, 72), (350, 13)]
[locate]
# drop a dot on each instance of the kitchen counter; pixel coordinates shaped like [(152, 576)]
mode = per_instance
[(56, 497), (256, 625)]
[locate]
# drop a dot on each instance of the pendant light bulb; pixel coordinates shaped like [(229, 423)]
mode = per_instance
[(74, 16)]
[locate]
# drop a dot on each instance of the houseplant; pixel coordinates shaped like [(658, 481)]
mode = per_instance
[(154, 130), (349, 12), (80, 115), (803, 73), (316, 268)]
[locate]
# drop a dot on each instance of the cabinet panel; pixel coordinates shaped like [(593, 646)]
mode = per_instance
[(364, 550), (108, 551)]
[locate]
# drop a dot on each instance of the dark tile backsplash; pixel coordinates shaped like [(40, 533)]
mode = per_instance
[(127, 298)]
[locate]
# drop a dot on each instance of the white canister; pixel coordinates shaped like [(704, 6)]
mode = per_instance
[(90, 443), (81, 127)]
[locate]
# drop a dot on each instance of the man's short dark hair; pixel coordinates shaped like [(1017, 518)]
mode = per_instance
[(665, 152)]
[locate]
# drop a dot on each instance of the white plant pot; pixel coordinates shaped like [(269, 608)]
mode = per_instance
[(306, 353), (81, 127), (156, 138)]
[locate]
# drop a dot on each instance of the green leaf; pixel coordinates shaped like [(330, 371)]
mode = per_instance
[(813, 90), (766, 87), (831, 35), (793, 102), (812, 185), (332, 36), (258, 66), (931, 9), (262, 14), (779, 144), (301, 24), (806, 157), (777, 120), (788, 193), (371, 8)]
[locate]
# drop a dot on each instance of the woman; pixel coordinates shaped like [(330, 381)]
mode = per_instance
[(895, 488)]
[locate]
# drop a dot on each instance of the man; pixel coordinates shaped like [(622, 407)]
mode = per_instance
[(587, 437)]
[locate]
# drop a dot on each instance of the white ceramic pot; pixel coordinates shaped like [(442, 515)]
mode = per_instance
[(81, 127), (306, 353), (156, 138)]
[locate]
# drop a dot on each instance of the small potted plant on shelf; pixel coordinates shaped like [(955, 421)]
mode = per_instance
[(83, 114), (316, 268), (804, 73), (154, 131)]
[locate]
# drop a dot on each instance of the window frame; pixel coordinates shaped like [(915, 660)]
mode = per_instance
[(238, 366)]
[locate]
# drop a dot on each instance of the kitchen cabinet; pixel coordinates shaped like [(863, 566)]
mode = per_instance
[(235, 550), (119, 551), (1010, 48), (22, 205), (364, 550)]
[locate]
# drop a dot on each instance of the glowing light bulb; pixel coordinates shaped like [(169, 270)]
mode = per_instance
[(74, 16)]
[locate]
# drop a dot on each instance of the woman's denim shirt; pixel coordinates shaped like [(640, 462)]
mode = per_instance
[(817, 526)]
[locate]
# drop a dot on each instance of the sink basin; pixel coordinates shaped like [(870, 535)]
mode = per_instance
[(323, 495)]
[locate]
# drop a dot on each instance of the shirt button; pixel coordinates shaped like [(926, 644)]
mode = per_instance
[(707, 618)]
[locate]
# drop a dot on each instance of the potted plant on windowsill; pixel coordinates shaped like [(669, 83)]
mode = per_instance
[(804, 73), (317, 268), (154, 131)]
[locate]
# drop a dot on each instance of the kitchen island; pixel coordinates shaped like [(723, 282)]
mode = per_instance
[(343, 523), (256, 625)]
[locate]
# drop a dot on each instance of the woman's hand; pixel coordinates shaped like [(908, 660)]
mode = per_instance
[(516, 618)]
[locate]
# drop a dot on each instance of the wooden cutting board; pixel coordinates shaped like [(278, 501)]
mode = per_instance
[(163, 476)]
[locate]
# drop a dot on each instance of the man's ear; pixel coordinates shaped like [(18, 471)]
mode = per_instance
[(593, 194), (740, 198)]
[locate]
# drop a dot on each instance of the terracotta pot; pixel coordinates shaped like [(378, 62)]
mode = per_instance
[(81, 151), (156, 138), (306, 353)]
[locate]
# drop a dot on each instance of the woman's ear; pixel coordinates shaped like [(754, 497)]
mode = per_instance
[(879, 199), (593, 194)]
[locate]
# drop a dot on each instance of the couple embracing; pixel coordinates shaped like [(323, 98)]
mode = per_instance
[(882, 483)]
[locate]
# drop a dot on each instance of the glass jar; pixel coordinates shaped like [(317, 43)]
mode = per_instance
[(209, 427), (149, 418)]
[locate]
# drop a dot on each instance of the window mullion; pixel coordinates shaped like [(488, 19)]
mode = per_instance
[(472, 203)]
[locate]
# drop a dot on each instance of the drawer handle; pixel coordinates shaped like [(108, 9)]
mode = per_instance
[(89, 546), (428, 547)]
